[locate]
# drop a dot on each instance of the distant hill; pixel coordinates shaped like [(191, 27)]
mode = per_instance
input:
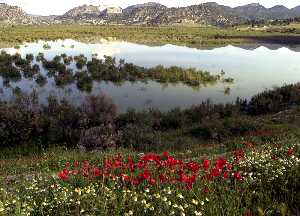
[(14, 14), (153, 13), (209, 13)]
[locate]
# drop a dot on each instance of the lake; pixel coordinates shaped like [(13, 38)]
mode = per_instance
[(253, 67)]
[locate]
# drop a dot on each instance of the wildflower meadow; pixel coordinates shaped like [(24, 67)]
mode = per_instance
[(248, 181)]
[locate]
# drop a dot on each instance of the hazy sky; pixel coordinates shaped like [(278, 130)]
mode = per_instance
[(55, 7)]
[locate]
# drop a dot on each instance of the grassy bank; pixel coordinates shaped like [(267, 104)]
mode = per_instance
[(95, 124), (189, 36), (240, 159), (255, 178)]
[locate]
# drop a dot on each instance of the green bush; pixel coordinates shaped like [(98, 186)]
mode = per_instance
[(15, 125), (275, 100)]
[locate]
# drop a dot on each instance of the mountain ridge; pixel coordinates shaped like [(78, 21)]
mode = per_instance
[(152, 13)]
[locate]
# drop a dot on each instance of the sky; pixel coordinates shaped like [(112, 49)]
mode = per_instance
[(58, 7)]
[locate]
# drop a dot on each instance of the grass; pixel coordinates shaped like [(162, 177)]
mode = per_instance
[(30, 184), (264, 181), (11, 36)]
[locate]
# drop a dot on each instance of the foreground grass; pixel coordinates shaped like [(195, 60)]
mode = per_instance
[(268, 184), (264, 179), (189, 36)]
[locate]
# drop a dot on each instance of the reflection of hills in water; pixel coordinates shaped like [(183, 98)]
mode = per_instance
[(254, 46), (254, 68), (295, 48)]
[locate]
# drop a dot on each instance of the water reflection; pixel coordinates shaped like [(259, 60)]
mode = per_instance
[(253, 67)]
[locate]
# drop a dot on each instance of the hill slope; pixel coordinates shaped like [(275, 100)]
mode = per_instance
[(153, 13), (14, 15)]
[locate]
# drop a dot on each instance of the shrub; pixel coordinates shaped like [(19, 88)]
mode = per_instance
[(84, 81), (80, 61), (64, 78), (99, 110), (29, 57), (140, 137), (62, 122), (10, 73), (275, 100), (14, 125), (173, 119), (223, 129), (41, 80), (98, 138)]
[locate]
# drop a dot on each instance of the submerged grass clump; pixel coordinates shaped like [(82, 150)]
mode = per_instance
[(41, 80), (13, 67), (46, 46)]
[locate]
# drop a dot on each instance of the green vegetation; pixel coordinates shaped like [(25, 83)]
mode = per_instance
[(59, 122), (59, 159), (11, 68), (41, 80), (190, 36), (46, 46), (255, 179)]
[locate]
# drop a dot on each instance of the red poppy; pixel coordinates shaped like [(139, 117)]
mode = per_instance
[(229, 167), (67, 164), (125, 177), (238, 176), (173, 162), (75, 164), (205, 164), (72, 172), (189, 186), (150, 158), (152, 181), (165, 154), (145, 174), (290, 152), (63, 175), (96, 172), (162, 178), (239, 154), (140, 165), (220, 163), (135, 182), (130, 160), (226, 175), (193, 166), (206, 190), (215, 172), (183, 178)]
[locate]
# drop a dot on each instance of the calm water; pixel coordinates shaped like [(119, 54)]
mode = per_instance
[(254, 68)]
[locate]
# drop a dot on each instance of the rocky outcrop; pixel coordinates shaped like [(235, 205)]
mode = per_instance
[(207, 14), (14, 15), (154, 14), (259, 12)]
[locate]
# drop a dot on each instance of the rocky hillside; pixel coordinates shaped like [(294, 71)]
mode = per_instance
[(296, 11), (259, 12), (207, 14), (14, 15), (148, 13), (155, 14)]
